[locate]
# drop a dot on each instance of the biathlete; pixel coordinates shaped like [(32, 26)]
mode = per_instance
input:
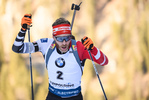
[(64, 57)]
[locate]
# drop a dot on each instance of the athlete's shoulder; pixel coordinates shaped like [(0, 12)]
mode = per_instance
[(44, 43), (79, 44), (46, 40)]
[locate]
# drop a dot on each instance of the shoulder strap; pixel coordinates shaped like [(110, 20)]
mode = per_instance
[(75, 52), (51, 49)]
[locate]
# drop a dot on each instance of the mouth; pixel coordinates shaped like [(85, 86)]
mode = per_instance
[(63, 48)]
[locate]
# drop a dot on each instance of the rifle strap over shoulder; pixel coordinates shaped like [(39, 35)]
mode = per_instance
[(75, 52), (51, 49)]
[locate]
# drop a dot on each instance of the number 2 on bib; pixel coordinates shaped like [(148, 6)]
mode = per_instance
[(59, 76)]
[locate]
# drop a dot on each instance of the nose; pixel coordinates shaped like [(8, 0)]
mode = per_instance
[(64, 42)]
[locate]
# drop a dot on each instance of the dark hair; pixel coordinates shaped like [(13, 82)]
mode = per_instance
[(60, 21), (73, 37)]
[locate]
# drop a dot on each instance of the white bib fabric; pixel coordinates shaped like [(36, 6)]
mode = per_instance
[(64, 74)]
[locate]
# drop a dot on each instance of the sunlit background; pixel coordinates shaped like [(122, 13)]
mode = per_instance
[(119, 28)]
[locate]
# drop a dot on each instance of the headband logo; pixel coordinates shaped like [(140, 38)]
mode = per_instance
[(61, 28)]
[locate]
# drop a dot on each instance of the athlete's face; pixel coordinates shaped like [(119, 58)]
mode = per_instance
[(62, 42)]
